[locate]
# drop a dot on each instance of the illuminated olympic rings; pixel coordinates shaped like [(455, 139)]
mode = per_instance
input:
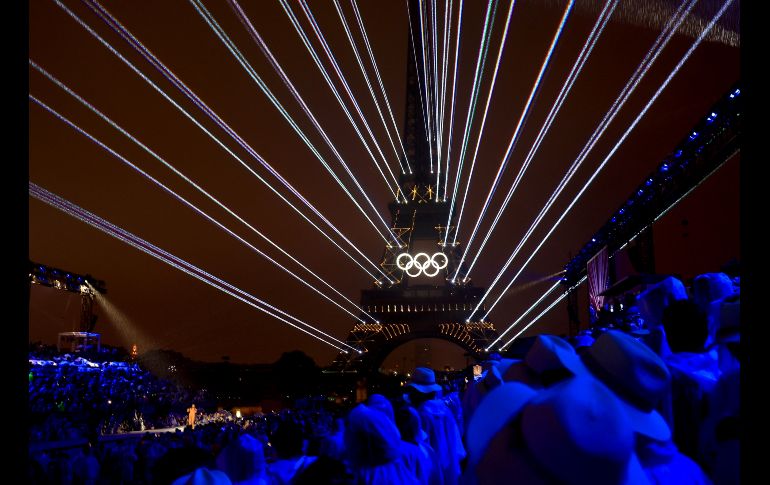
[(422, 263)]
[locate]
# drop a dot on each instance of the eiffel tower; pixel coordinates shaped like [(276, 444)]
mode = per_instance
[(416, 297)]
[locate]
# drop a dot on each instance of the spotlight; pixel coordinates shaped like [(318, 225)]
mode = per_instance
[(694, 135), (614, 219), (648, 182), (593, 239), (664, 167), (621, 211), (639, 192)]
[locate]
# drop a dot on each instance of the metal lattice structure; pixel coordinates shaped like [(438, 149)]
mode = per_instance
[(84, 285), (430, 304)]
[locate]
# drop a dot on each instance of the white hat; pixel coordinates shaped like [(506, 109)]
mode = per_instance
[(498, 407), (203, 476), (636, 375), (709, 287), (243, 459), (725, 316), (424, 380), (552, 353), (574, 433), (550, 358), (657, 297)]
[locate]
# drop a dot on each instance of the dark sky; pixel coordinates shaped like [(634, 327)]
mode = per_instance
[(155, 305)]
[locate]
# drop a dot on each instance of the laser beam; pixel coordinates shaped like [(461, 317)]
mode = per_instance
[(636, 121), (357, 55), (523, 315), (192, 206), (222, 35), (360, 21), (548, 308), (483, 123), (184, 177), (478, 74), (452, 106), (577, 67), (96, 222), (633, 81), (139, 47)]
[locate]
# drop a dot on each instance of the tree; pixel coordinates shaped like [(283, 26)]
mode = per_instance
[(296, 373)]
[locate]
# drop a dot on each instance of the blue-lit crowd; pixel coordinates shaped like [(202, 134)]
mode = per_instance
[(652, 397), (72, 397)]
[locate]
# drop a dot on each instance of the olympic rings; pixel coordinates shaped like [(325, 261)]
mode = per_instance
[(423, 263)]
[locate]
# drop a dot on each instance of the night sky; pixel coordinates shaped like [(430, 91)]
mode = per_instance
[(157, 306)]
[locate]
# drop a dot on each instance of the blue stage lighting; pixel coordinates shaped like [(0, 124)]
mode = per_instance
[(593, 239), (711, 117), (41, 268), (648, 183), (694, 135), (614, 219), (621, 211), (640, 191), (664, 167)]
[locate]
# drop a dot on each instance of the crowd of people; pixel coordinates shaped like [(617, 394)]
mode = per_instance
[(72, 397), (657, 402)]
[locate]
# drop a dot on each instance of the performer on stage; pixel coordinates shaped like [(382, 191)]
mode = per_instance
[(191, 416)]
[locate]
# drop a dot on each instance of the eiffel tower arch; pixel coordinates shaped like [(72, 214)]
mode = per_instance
[(418, 295)]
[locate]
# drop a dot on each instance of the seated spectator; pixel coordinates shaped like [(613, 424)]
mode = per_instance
[(720, 434), (641, 381), (325, 470), (438, 421), (707, 288), (86, 466), (176, 462), (374, 450), (413, 456), (651, 304), (425, 463), (381, 403), (288, 441), (550, 360), (478, 388), (694, 372), (243, 460), (554, 438), (725, 317), (638, 377), (203, 476), (333, 443), (503, 404)]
